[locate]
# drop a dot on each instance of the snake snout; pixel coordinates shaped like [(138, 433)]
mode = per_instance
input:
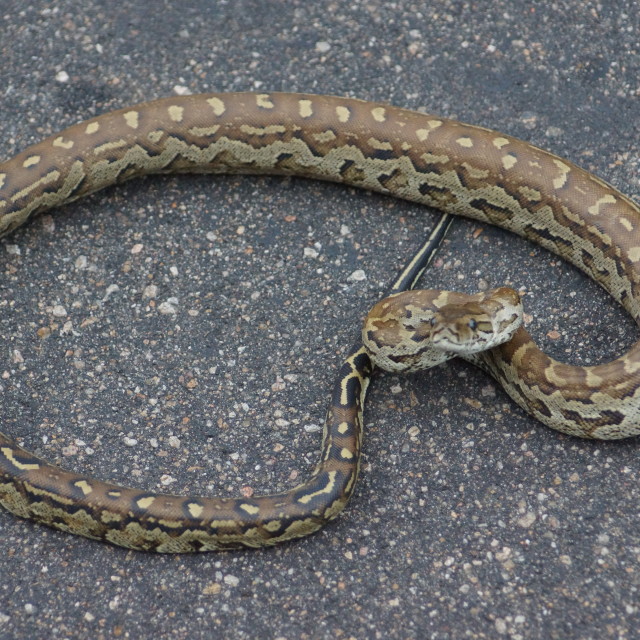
[(462, 329)]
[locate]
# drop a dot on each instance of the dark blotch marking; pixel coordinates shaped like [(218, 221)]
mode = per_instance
[(535, 405), (362, 363), (537, 234), (427, 189), (383, 154), (353, 391), (605, 418), (492, 211)]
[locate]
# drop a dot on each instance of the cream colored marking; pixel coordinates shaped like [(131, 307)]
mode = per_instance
[(631, 367), (131, 118), (155, 136), (272, 525), (263, 100), (531, 194), (249, 508), (500, 142), (343, 113), (535, 164), (263, 131), (224, 524), (379, 114), (195, 509), (171, 524), (346, 454), (593, 380), (560, 181), (519, 354), (2, 178), (625, 223), (327, 489), (430, 157), (92, 127), (343, 427), (382, 145), (509, 161), (109, 146), (551, 375), (110, 516), (595, 209), (204, 131), (31, 161), (29, 466), (145, 503), (423, 134), (405, 146), (43, 492), (114, 494), (325, 136), (61, 142), (300, 528), (52, 176), (605, 237), (441, 299), (334, 509), (305, 108), (84, 486), (634, 254), (176, 113), (217, 105), (343, 389), (465, 142), (478, 174)]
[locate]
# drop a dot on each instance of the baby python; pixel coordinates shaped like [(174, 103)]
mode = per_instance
[(454, 167)]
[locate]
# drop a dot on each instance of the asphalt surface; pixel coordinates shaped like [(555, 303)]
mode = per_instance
[(470, 519)]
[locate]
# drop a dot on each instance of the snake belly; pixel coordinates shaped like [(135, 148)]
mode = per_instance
[(445, 164)]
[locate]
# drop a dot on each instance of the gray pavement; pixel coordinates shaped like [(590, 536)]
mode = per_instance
[(470, 519)]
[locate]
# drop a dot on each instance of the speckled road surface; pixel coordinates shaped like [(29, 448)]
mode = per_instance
[(182, 333)]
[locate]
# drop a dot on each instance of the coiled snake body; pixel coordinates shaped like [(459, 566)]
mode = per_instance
[(451, 166)]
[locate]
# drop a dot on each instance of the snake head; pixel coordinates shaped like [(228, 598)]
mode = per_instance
[(397, 332), (419, 329), (466, 328)]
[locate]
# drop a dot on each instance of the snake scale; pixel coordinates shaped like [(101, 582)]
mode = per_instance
[(454, 167)]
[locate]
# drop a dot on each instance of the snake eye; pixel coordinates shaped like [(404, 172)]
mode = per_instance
[(432, 321), (473, 325)]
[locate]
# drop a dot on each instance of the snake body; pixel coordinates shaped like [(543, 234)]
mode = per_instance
[(448, 165)]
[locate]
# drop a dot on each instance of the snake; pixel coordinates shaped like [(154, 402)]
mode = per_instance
[(444, 164)]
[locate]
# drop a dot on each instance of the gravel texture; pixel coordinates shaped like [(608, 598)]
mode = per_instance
[(182, 333)]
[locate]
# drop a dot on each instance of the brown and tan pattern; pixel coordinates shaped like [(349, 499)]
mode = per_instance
[(416, 330), (455, 167)]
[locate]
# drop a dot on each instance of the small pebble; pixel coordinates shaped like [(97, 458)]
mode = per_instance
[(357, 276)]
